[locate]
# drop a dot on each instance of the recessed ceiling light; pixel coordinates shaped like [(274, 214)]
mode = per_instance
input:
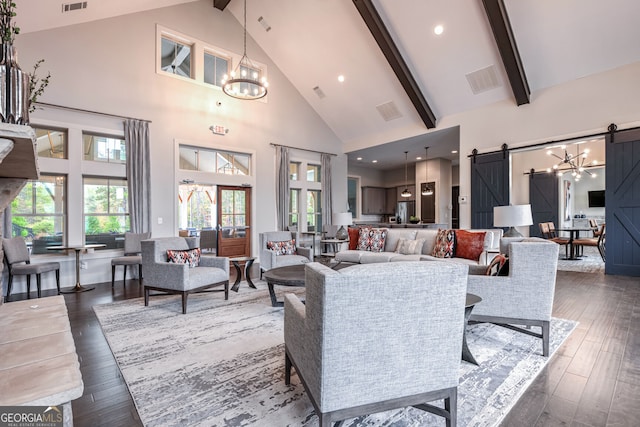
[(374, 161), (358, 158), (340, 78), (438, 29), (454, 151)]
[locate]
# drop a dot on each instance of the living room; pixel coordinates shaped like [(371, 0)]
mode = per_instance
[(110, 66)]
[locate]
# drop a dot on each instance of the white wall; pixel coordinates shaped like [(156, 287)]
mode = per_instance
[(110, 66)]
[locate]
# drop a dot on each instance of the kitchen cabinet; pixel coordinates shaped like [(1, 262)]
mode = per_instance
[(391, 201), (374, 200)]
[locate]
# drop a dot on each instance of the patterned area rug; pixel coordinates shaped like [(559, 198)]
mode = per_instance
[(222, 364), (591, 262)]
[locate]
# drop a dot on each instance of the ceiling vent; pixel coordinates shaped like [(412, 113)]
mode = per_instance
[(389, 111), (264, 24), (74, 6), (319, 92), (483, 80)]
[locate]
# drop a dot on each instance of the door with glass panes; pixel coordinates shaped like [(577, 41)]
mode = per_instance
[(234, 226)]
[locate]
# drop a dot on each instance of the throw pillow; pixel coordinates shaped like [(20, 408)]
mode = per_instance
[(496, 265), (372, 239), (354, 233), (191, 257), (469, 244), (445, 244), (410, 246), (285, 247)]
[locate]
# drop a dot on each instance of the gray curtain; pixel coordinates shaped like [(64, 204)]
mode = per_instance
[(282, 187), (327, 205), (136, 135), (7, 226)]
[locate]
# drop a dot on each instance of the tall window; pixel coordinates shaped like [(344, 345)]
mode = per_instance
[(176, 57), (294, 197), (106, 212), (39, 212), (305, 209), (51, 142), (102, 148), (314, 210), (313, 173)]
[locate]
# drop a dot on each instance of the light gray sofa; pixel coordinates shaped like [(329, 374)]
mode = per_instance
[(525, 296), (377, 337), (169, 277), (491, 243), (269, 259)]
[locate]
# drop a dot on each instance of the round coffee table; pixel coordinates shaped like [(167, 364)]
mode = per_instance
[(291, 275)]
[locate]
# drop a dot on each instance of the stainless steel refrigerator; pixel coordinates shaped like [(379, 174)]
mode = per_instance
[(405, 211)]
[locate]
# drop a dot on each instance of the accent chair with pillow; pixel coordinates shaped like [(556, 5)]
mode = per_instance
[(376, 337), (524, 296), (175, 265), (279, 249)]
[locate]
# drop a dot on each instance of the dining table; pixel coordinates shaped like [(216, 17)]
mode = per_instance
[(573, 234), (77, 248)]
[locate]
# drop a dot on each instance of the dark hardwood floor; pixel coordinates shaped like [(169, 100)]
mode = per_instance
[(593, 380)]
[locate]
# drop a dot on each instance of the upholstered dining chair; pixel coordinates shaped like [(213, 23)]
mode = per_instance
[(376, 337), (598, 242), (209, 240), (131, 257), (17, 257), (548, 232)]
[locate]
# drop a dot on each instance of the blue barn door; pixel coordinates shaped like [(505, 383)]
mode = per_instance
[(489, 186), (622, 196), (543, 196)]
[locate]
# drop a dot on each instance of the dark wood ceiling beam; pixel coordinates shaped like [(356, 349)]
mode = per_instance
[(381, 35), (502, 32), (220, 4)]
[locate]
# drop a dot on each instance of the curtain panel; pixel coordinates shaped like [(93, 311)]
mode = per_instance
[(327, 204), (282, 187), (136, 135)]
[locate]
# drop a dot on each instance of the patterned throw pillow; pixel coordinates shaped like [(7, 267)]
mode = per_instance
[(445, 244), (410, 246), (191, 257), (469, 244), (285, 247), (372, 239), (499, 266)]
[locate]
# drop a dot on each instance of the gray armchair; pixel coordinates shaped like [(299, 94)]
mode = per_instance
[(167, 277), (525, 296), (269, 259), (377, 337)]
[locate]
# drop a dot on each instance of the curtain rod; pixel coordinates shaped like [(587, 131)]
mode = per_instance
[(542, 144), (81, 110), (303, 149)]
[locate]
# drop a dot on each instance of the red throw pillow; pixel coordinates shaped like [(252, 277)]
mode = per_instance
[(469, 244), (354, 233), (445, 244)]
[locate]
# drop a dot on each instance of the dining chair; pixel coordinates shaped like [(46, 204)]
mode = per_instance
[(17, 257), (592, 241), (132, 255), (548, 231)]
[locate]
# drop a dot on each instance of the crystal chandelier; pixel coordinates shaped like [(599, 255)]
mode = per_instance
[(426, 190), (244, 82), (406, 192), (577, 163)]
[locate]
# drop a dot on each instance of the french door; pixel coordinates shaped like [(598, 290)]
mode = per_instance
[(234, 221)]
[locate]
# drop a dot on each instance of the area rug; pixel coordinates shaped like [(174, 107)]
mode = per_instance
[(590, 262), (222, 364)]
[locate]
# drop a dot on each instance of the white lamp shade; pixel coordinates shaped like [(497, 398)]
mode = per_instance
[(512, 216), (341, 218)]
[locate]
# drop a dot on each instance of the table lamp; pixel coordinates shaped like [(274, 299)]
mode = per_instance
[(512, 216), (342, 219)]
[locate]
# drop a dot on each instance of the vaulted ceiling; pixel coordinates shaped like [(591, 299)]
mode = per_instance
[(400, 78)]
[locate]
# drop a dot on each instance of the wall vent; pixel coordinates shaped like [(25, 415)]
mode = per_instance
[(264, 24), (319, 92), (483, 80), (389, 111), (69, 7)]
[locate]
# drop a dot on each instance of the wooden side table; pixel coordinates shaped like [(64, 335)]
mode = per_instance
[(331, 246), (248, 262)]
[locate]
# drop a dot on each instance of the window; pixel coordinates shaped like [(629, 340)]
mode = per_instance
[(294, 196), (39, 212), (106, 213), (313, 173), (214, 161), (215, 67), (175, 57), (294, 170), (196, 207), (51, 142), (234, 206), (314, 210), (102, 148)]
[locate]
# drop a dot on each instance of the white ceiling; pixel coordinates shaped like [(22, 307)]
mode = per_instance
[(313, 41)]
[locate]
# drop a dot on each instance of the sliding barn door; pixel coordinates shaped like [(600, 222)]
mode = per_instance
[(543, 196), (489, 187), (622, 198)]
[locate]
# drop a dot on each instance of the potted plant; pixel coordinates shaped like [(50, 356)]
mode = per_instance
[(414, 219)]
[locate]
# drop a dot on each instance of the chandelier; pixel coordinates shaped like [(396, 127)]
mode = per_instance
[(426, 190), (406, 192), (245, 81), (577, 163)]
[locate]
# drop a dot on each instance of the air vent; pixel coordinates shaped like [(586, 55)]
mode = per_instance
[(319, 92), (483, 80), (74, 6), (264, 24), (389, 111)]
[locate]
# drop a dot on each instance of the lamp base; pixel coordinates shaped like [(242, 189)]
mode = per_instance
[(512, 232), (342, 234)]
